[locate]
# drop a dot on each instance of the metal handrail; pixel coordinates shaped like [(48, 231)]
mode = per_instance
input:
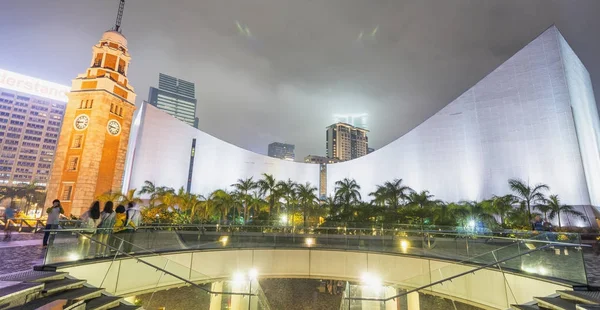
[(163, 270), (452, 277), (434, 232)]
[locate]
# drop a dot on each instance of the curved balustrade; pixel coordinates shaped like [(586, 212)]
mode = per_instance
[(561, 261)]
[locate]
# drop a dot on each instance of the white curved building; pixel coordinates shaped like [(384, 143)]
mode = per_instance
[(533, 118)]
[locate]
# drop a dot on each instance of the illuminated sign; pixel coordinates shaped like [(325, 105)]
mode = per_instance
[(25, 84)]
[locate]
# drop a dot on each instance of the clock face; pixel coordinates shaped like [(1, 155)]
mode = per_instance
[(81, 122), (113, 127)]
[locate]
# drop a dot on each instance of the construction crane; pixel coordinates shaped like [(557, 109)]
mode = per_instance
[(120, 16)]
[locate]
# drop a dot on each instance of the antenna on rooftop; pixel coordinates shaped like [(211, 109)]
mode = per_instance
[(119, 16)]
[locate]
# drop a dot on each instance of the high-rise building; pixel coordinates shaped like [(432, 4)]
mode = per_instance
[(176, 97), (282, 151), (346, 142), (315, 159), (356, 120), (92, 147), (31, 113)]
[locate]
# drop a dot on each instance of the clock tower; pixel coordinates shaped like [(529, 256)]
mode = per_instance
[(92, 147)]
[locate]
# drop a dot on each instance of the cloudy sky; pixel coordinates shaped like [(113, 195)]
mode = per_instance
[(299, 62)]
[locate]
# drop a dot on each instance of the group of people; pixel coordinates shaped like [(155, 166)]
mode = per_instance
[(99, 226)]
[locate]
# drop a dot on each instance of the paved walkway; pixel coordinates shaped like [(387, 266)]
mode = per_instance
[(21, 253)]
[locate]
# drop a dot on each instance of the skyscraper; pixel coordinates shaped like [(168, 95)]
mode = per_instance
[(176, 97), (92, 147), (356, 120), (282, 151), (346, 142), (31, 113)]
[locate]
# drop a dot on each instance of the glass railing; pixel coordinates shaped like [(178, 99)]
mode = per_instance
[(462, 281), (470, 248), (79, 246)]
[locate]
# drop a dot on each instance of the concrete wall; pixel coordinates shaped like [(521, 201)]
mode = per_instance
[(515, 123), (488, 288), (585, 113), (162, 155)]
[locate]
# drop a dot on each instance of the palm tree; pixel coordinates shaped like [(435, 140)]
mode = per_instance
[(190, 203), (347, 191), (544, 208), (471, 212), (244, 186), (379, 196), (148, 188), (223, 201), (501, 205), (527, 194), (268, 187), (287, 191), (256, 204), (120, 198), (395, 192), (307, 195), (556, 209), (28, 192), (423, 203)]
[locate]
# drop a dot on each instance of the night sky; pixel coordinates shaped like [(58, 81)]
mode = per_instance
[(278, 70)]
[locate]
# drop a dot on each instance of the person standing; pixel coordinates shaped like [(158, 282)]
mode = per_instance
[(89, 222), (119, 228), (132, 221), (54, 214), (9, 215), (105, 229)]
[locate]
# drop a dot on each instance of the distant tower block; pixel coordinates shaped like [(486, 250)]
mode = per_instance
[(92, 146)]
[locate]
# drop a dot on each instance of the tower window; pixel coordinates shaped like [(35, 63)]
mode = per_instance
[(72, 164), (112, 106), (66, 192), (77, 142)]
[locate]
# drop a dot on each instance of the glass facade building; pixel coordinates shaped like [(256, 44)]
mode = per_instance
[(282, 151), (31, 113), (176, 97)]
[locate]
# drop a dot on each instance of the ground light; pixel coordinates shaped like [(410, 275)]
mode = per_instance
[(283, 219), (404, 245), (309, 242), (73, 256), (223, 240)]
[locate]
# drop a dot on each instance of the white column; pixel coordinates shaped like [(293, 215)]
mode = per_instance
[(413, 302), (216, 300)]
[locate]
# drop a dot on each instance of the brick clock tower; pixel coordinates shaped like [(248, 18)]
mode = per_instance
[(92, 147)]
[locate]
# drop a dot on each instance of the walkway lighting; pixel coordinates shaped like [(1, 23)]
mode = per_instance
[(371, 280), (404, 244), (73, 256), (252, 274), (283, 219), (309, 241), (223, 240), (238, 277)]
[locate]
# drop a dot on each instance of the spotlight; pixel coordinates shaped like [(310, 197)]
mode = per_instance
[(309, 241)]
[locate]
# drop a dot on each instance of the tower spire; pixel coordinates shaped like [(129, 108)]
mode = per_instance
[(119, 16)]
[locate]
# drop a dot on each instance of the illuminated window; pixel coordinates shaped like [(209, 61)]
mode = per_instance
[(66, 192), (72, 165), (77, 142)]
